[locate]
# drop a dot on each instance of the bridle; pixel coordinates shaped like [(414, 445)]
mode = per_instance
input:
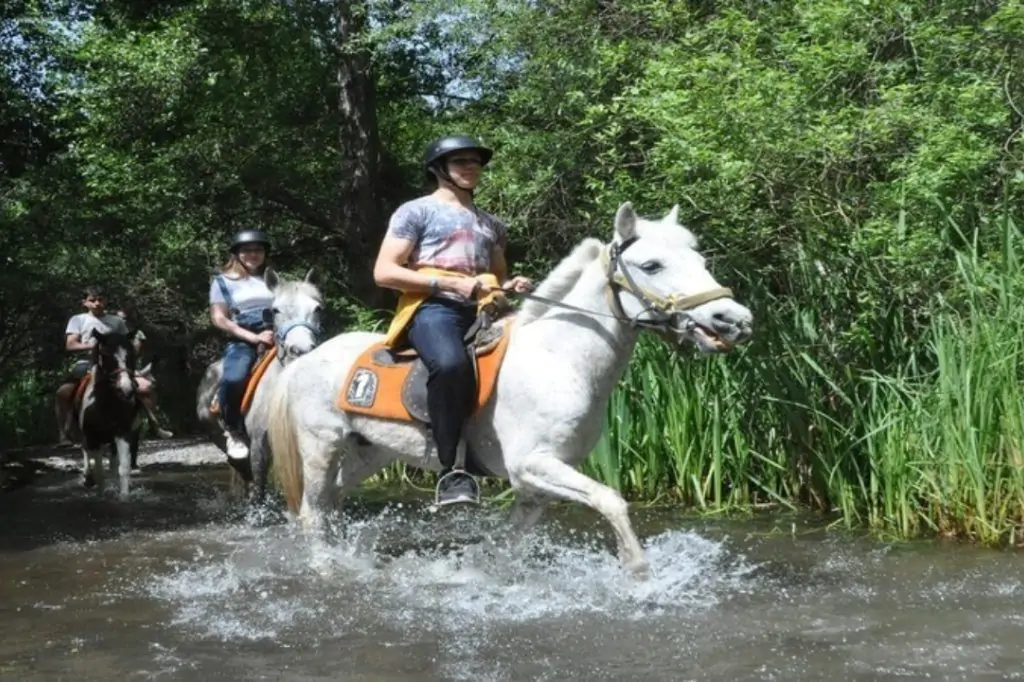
[(666, 313), (287, 328), (110, 376)]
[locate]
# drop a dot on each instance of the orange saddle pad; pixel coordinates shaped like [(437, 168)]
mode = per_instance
[(79, 393), (393, 385), (250, 386)]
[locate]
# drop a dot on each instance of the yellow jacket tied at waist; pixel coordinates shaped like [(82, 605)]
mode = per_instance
[(409, 301)]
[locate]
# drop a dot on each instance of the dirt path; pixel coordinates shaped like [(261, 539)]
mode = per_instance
[(25, 466)]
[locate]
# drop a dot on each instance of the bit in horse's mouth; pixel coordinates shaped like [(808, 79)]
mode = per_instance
[(707, 337)]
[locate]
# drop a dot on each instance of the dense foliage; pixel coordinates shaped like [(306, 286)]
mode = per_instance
[(852, 169)]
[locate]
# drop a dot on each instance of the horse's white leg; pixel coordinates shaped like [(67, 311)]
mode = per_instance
[(318, 470), (259, 466), (526, 510), (92, 467), (542, 472), (124, 464), (87, 475), (333, 470)]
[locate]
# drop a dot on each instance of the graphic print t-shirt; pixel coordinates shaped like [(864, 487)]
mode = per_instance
[(448, 236)]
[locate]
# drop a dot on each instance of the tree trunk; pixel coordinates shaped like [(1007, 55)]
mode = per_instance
[(359, 146)]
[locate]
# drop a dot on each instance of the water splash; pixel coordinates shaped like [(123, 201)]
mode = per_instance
[(451, 574)]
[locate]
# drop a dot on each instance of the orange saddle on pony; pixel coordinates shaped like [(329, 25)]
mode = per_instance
[(79, 394), (255, 375), (392, 384)]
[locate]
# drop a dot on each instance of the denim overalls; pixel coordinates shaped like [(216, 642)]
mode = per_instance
[(239, 357)]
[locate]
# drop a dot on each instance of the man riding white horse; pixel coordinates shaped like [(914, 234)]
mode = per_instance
[(442, 252)]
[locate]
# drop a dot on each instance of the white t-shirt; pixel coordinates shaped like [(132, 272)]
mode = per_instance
[(84, 324), (251, 293)]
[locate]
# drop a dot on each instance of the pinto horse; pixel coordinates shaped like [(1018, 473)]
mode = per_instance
[(108, 410)]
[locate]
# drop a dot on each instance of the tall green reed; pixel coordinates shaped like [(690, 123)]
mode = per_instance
[(914, 434)]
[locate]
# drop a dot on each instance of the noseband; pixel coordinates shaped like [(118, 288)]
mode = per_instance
[(282, 333)]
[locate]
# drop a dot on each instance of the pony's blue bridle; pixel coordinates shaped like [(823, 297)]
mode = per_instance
[(280, 334)]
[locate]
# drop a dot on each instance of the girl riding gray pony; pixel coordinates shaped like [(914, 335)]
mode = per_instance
[(240, 304)]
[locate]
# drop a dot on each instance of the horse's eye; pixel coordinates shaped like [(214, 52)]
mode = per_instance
[(275, 311), (652, 266)]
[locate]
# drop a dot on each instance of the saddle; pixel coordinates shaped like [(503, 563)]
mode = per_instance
[(79, 394), (255, 375), (391, 383)]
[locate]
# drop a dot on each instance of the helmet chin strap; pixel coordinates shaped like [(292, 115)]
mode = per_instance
[(442, 174)]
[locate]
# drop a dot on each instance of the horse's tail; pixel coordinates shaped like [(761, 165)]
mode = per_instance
[(284, 446)]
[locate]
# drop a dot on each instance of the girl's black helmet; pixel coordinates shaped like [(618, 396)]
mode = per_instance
[(250, 237)]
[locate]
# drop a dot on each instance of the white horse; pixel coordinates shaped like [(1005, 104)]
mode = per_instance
[(295, 319), (569, 346)]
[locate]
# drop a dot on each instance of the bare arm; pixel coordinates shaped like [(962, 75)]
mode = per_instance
[(499, 267), (390, 270), (73, 342), (219, 316)]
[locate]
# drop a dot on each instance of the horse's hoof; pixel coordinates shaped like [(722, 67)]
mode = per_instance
[(638, 569)]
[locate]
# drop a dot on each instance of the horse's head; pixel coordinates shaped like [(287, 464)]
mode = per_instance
[(659, 281), (295, 314), (114, 358)]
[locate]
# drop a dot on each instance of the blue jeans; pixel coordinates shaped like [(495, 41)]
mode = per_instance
[(436, 332), (239, 358)]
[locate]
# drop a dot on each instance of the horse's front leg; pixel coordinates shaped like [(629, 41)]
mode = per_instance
[(540, 472), (527, 509), (92, 467), (124, 463), (259, 463)]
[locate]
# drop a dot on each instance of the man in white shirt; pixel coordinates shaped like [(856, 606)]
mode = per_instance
[(79, 340)]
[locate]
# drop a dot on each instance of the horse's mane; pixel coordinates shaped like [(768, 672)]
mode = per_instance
[(561, 280)]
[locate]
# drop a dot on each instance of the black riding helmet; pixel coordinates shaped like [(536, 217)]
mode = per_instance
[(433, 158), (250, 237)]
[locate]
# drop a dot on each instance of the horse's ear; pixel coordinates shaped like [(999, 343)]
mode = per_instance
[(625, 221), (672, 217), (271, 278), (99, 336), (312, 277)]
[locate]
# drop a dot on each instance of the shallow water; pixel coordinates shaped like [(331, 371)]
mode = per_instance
[(174, 586)]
